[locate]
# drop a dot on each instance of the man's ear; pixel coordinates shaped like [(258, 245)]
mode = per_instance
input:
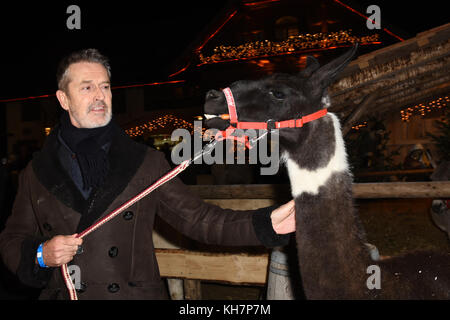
[(63, 99)]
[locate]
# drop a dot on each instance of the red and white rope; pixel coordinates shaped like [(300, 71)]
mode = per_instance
[(167, 177)]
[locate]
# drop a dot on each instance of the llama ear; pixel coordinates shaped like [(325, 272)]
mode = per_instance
[(326, 74), (311, 65)]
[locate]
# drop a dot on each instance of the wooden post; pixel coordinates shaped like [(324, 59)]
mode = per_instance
[(192, 289), (279, 285), (176, 288)]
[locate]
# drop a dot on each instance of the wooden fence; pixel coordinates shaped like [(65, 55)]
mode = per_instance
[(244, 268)]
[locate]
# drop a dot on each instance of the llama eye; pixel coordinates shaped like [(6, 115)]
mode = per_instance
[(278, 94)]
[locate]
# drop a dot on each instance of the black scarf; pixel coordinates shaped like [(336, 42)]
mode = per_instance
[(89, 148)]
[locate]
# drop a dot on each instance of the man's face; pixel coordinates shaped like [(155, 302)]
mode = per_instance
[(88, 98)]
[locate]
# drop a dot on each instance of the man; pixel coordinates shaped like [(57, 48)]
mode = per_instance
[(87, 168)]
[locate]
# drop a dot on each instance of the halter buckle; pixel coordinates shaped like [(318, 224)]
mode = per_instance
[(271, 125)]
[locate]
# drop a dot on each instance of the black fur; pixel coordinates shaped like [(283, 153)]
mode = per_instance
[(333, 258)]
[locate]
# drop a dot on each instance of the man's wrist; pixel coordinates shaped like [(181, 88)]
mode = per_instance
[(40, 257), (262, 224)]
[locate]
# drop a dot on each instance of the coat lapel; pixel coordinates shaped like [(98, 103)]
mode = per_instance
[(125, 157), (53, 177)]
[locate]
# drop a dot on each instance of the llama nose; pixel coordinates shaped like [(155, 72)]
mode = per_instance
[(213, 94)]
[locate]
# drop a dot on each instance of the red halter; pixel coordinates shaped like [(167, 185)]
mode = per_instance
[(268, 125)]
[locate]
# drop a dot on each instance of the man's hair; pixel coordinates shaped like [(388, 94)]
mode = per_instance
[(85, 55)]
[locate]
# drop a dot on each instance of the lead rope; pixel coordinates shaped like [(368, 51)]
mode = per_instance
[(221, 135), (166, 178)]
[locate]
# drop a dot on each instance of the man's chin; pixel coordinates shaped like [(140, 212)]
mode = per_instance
[(99, 122)]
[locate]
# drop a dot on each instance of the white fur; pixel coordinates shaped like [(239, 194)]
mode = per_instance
[(326, 103), (303, 180)]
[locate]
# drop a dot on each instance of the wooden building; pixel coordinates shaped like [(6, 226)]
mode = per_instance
[(249, 39)]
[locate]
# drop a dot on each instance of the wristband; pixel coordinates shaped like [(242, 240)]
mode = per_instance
[(40, 258)]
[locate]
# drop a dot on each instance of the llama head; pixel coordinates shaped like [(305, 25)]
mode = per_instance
[(279, 96)]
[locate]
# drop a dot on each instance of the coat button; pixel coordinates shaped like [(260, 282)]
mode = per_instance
[(113, 252), (47, 227), (128, 215), (82, 287), (113, 287)]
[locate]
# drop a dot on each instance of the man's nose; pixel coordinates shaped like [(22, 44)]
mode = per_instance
[(99, 94)]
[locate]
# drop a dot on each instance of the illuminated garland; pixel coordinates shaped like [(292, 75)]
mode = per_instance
[(419, 109), (424, 108), (291, 45), (359, 126), (158, 123)]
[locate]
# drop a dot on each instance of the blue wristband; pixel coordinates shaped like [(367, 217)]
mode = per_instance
[(40, 258)]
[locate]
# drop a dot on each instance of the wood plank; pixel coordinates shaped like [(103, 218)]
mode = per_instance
[(406, 190), (393, 172), (393, 50), (430, 189), (229, 268)]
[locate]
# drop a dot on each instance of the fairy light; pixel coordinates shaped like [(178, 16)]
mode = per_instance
[(159, 123), (291, 45), (423, 109), (359, 126)]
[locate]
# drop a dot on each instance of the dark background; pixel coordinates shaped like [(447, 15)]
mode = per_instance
[(142, 39)]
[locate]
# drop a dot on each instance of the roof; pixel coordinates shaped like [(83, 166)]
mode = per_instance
[(400, 75), (248, 30)]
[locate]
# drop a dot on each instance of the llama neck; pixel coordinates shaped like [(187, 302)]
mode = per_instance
[(332, 257), (309, 181)]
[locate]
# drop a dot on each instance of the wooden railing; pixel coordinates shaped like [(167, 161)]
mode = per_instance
[(244, 268)]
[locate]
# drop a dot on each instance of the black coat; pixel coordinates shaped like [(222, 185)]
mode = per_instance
[(118, 260)]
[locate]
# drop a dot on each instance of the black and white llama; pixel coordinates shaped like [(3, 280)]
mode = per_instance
[(333, 258), (440, 208)]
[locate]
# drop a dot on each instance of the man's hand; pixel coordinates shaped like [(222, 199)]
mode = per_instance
[(60, 250), (283, 218)]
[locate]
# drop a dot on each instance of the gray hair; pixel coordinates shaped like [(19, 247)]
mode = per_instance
[(85, 55)]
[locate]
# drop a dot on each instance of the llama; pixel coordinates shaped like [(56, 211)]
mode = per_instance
[(440, 208), (333, 257)]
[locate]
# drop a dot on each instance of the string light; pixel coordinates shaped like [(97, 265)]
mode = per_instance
[(423, 108), (292, 45), (359, 126), (158, 123)]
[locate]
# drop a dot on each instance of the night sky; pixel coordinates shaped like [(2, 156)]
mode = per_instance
[(142, 39)]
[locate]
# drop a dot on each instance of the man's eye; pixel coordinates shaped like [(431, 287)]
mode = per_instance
[(86, 88)]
